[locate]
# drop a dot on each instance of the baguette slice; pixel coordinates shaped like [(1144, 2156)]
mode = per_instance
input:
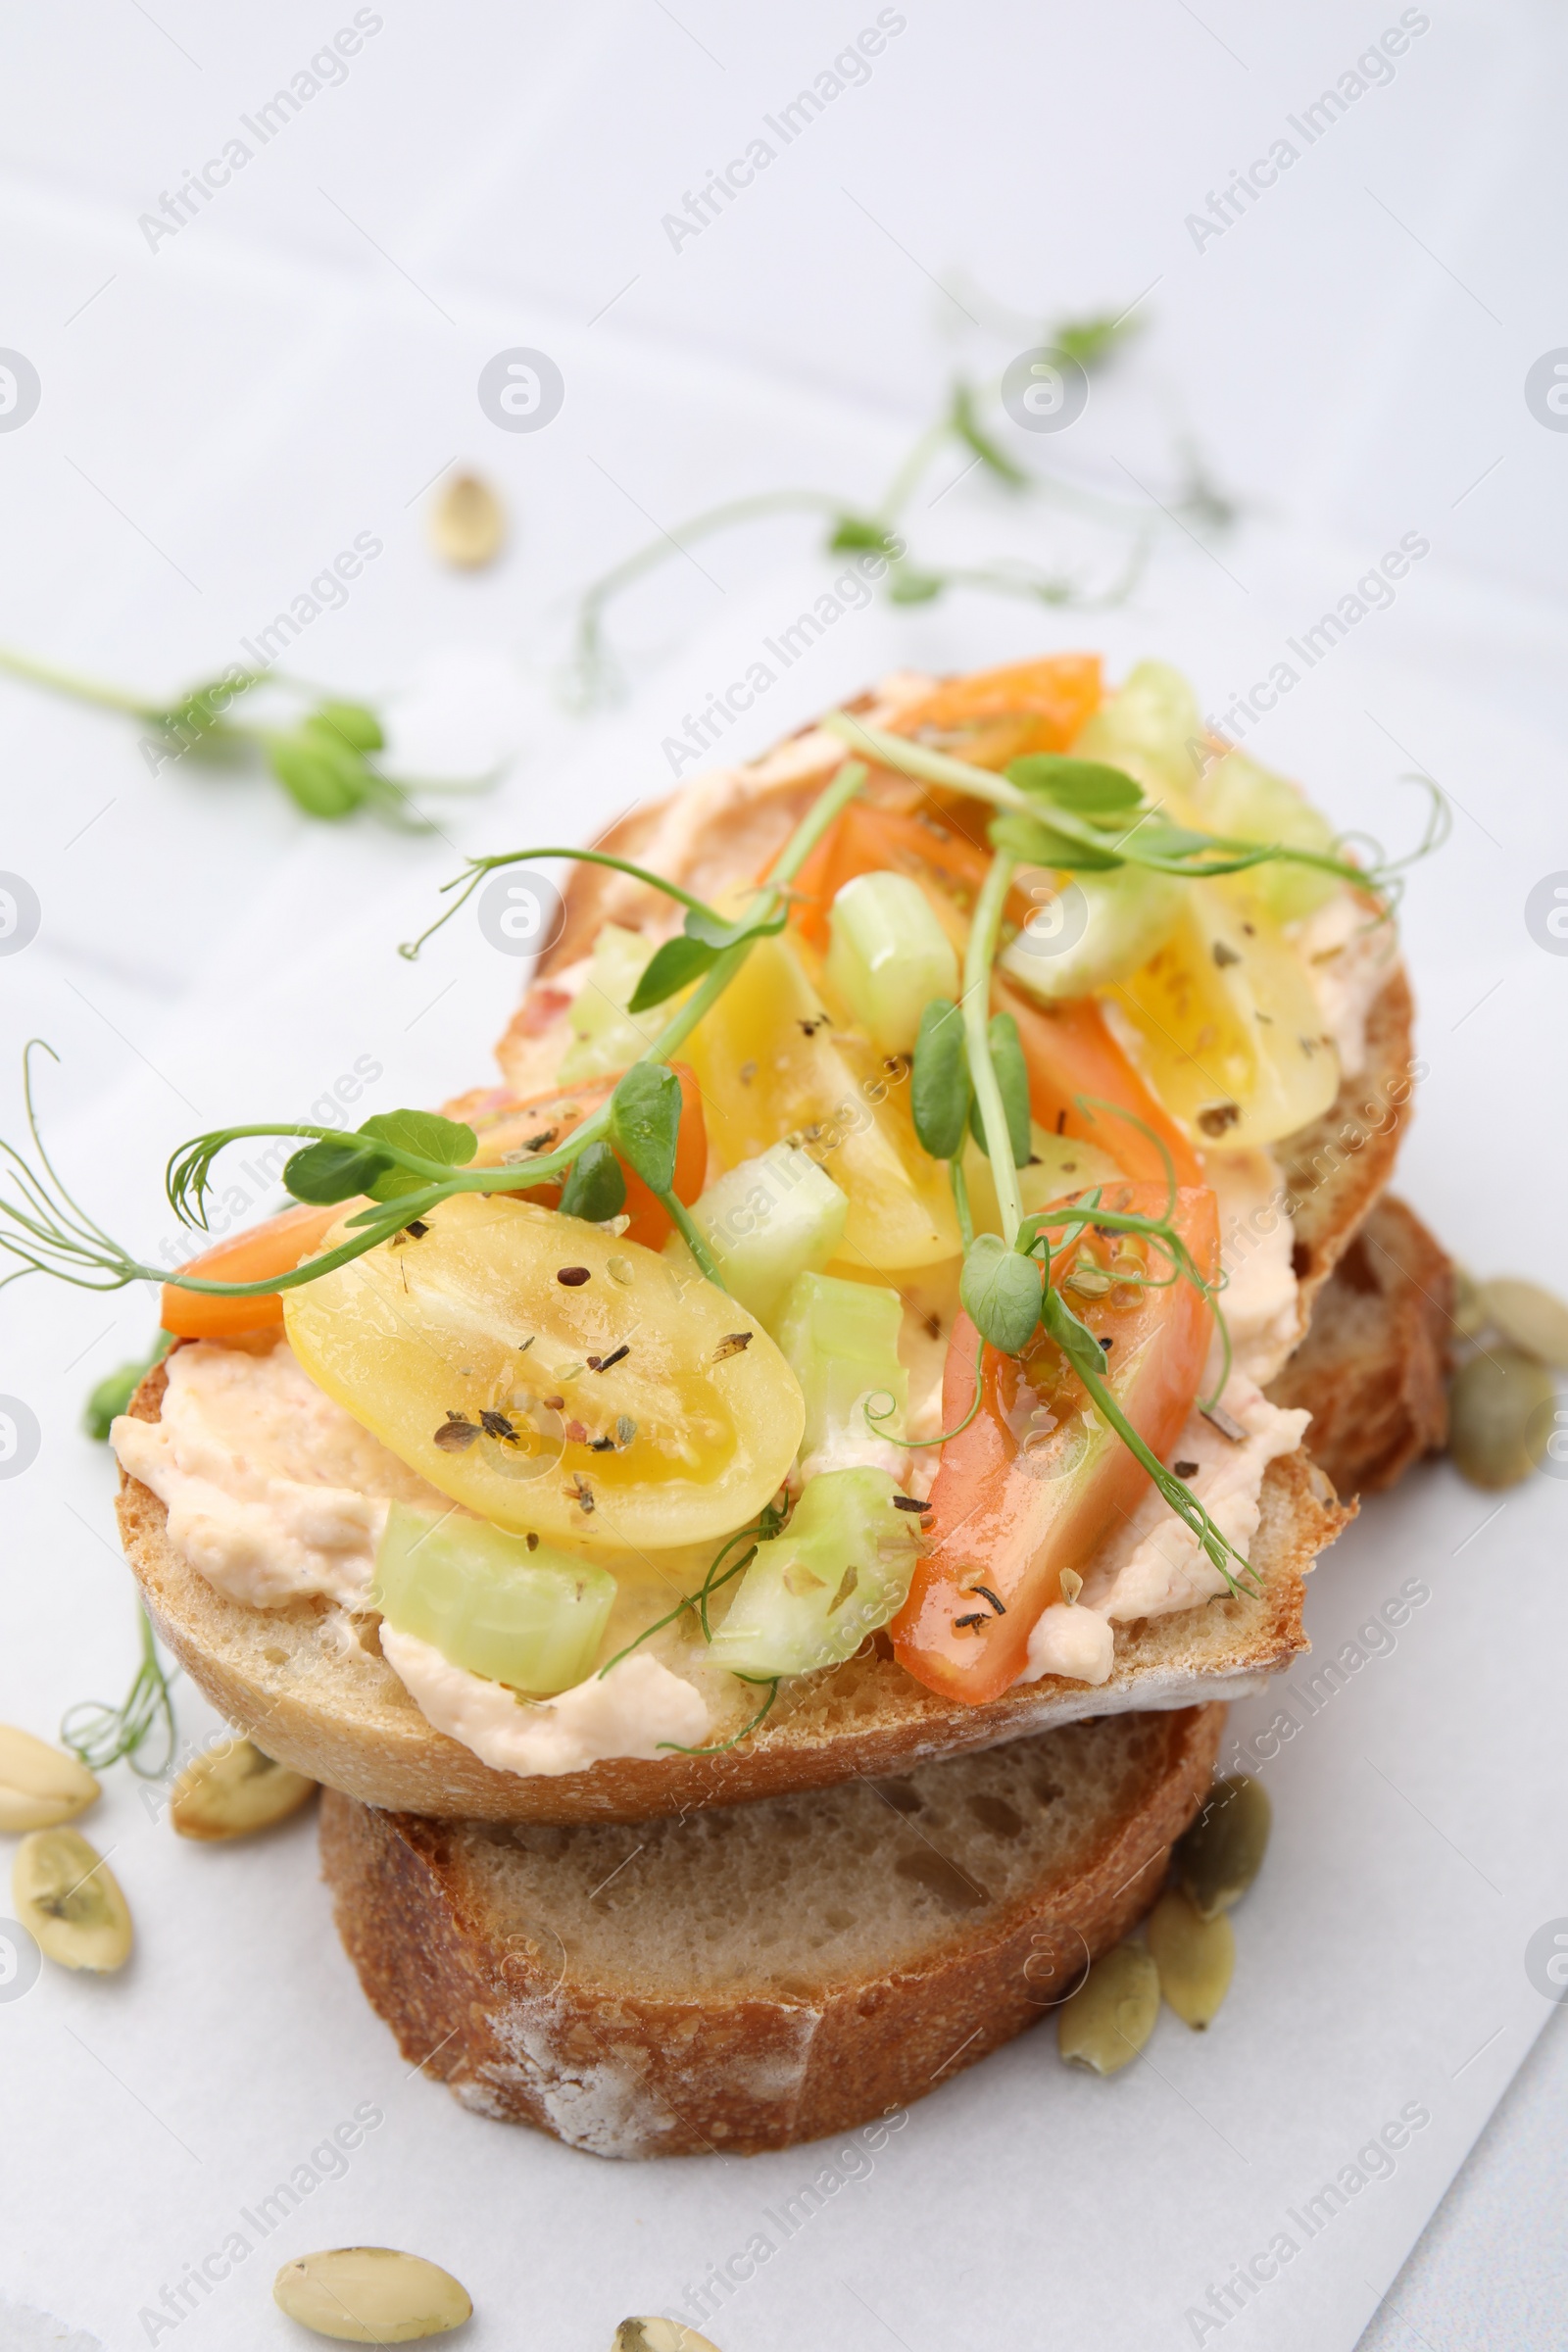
[(336, 1711), (748, 1979), (1373, 1368)]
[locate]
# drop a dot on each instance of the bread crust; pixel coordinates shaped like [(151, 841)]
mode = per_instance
[(620, 2067), (1373, 1368), (342, 1716)]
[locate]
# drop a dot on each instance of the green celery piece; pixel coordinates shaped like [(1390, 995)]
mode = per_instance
[(604, 1036), (1152, 729), (841, 1340), (1098, 930), (840, 1570), (530, 1619), (767, 1222), (1239, 798), (889, 956)]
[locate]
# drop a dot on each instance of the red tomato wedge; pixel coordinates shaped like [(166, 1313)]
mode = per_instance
[(275, 1248), (1070, 1052), (1037, 1479), (544, 1121)]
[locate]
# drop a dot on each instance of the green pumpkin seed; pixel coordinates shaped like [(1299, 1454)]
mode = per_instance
[(70, 1902), (1530, 1318), (659, 2335), (1499, 1417), (371, 2295), (1106, 2022), (40, 1785), (1223, 1852), (1194, 1957), (233, 1790)]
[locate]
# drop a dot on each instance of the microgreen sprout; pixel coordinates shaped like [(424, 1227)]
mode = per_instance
[(99, 1734), (323, 756), (408, 1162), (967, 428)]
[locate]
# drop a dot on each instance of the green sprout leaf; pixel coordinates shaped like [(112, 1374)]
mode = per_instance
[(426, 1135), (322, 775), (644, 1122), (352, 723), (596, 1188), (1036, 843), (1000, 1293), (855, 531), (1012, 1078), (114, 1393), (964, 423), (908, 586), (672, 968), (938, 1083), (1087, 787), (338, 1168)]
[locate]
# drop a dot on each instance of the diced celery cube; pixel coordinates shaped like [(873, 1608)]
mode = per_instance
[(1094, 930), (889, 956), (603, 1035), (841, 1569), (841, 1340), (1241, 798), (768, 1220), (1152, 729), (531, 1619)]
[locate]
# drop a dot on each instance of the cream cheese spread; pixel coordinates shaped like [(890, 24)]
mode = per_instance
[(1261, 1297), (1153, 1565), (1348, 954), (636, 1709), (273, 1492)]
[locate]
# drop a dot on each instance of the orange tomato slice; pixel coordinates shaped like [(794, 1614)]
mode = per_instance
[(275, 1248), (1060, 692), (1070, 1052), (1037, 1479), (544, 1121)]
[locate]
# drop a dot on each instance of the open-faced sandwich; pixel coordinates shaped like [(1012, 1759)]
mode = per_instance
[(844, 1345), (888, 1377)]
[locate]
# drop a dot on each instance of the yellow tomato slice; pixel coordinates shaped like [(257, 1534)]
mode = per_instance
[(555, 1379), (771, 1062), (1226, 1030)]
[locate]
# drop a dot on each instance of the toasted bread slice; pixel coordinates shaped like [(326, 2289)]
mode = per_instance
[(1373, 1368), (334, 1709), (749, 1979)]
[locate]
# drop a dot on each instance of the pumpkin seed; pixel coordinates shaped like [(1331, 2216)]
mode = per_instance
[(1493, 1403), (1223, 1852), (1194, 1957), (235, 1789), (40, 1785), (1106, 2022), (371, 2295), (468, 524), (69, 1900), (1529, 1317), (659, 2335), (1470, 1316)]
